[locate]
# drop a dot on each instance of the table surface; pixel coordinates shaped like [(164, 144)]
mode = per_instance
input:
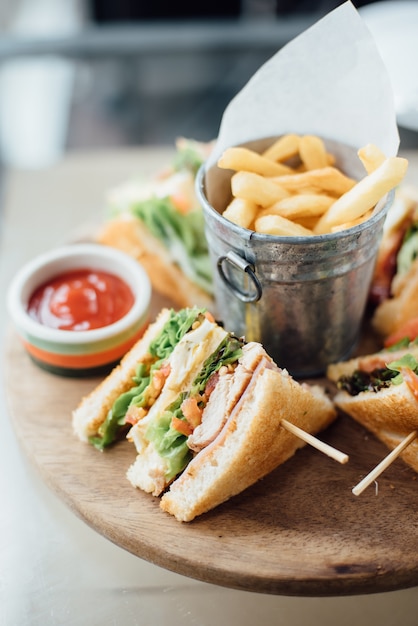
[(54, 568)]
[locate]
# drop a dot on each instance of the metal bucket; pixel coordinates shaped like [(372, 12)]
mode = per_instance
[(303, 298)]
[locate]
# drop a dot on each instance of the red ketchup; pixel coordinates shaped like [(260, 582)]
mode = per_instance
[(81, 299)]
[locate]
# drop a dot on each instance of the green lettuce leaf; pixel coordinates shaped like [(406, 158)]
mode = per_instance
[(379, 378), (188, 157), (409, 361), (182, 234), (169, 443), (178, 324)]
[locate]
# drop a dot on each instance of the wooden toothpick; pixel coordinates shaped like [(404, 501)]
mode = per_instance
[(371, 477), (316, 443)]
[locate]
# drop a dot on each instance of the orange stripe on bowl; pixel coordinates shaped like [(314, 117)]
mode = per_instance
[(83, 361)]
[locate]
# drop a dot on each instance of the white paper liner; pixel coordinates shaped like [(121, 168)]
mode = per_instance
[(330, 81)]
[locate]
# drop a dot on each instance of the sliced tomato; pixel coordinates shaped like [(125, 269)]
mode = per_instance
[(385, 269), (158, 381), (386, 262), (211, 384), (181, 426), (209, 317), (411, 380), (370, 364), (181, 201), (409, 330), (134, 414), (192, 412)]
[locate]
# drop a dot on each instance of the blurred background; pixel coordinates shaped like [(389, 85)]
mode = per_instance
[(92, 74)]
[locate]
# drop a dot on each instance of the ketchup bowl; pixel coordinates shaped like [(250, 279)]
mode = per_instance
[(79, 308)]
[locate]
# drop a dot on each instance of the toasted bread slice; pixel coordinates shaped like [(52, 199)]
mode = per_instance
[(93, 408), (251, 444), (391, 413)]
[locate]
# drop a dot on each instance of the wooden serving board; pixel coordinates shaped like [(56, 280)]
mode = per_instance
[(299, 531)]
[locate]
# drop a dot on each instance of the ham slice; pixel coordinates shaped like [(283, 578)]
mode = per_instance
[(228, 391)]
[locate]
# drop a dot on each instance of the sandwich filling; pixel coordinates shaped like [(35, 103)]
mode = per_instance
[(150, 377), (374, 375), (169, 209), (168, 441), (399, 247)]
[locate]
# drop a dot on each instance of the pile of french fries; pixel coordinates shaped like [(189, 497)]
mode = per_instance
[(294, 188)]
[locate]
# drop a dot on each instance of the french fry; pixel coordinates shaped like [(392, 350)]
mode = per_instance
[(312, 152), (307, 222), (241, 212), (364, 195), (284, 148), (360, 220), (311, 197), (326, 179), (277, 225), (258, 189), (243, 159), (310, 191), (371, 157), (302, 205), (330, 159)]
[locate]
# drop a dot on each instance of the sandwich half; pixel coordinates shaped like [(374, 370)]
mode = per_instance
[(160, 223), (251, 443), (380, 391), (395, 284), (223, 431), (204, 411), (149, 375)]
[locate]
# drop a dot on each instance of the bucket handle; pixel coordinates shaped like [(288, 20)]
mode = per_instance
[(243, 265)]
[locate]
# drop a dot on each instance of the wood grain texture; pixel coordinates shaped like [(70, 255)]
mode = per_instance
[(299, 531)]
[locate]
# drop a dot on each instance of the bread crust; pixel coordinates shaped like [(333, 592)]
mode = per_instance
[(251, 444), (129, 235), (392, 410), (390, 414), (93, 408)]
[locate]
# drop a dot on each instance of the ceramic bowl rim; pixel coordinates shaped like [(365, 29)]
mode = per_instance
[(100, 255)]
